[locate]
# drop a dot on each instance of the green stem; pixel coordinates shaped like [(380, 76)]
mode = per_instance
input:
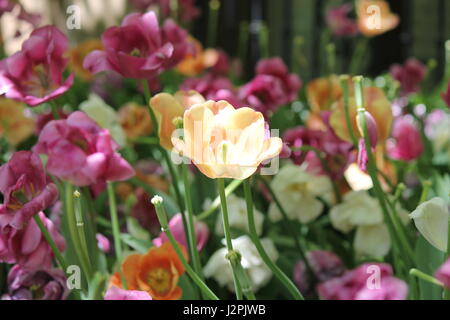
[(447, 290), (59, 257), (81, 233), (395, 230), (73, 229), (426, 188), (426, 277), (213, 22), (162, 217), (174, 177), (243, 41), (191, 235), (216, 203), (262, 252), (232, 255), (115, 228), (359, 55), (54, 107), (344, 79), (264, 41), (288, 225), (331, 58)]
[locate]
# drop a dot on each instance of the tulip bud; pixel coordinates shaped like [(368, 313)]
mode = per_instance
[(371, 127), (431, 219), (157, 201)]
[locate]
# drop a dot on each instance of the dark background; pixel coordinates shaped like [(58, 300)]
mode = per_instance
[(424, 27)]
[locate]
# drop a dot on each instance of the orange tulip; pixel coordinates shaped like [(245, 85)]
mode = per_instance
[(77, 55), (167, 107), (156, 272), (224, 142), (375, 17), (195, 63), (376, 103), (323, 92), (135, 120), (15, 126)]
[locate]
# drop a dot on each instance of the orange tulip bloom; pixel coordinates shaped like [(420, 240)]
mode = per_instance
[(195, 63), (224, 142), (376, 103), (375, 17), (77, 55), (135, 120), (167, 107), (156, 272), (15, 126), (323, 92)]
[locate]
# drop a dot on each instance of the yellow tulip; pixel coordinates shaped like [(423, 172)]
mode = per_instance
[(135, 120), (322, 93), (77, 55), (376, 103), (167, 107), (375, 17), (224, 142), (15, 126)]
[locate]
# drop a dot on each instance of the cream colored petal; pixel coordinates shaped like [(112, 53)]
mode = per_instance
[(372, 241)]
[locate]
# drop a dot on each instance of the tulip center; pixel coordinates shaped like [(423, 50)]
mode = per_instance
[(135, 52), (18, 199), (159, 280), (39, 83)]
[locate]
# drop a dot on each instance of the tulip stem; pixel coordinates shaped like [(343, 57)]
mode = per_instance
[(115, 228), (216, 203), (426, 277), (426, 185), (240, 278), (395, 230), (54, 107), (213, 22), (447, 290), (262, 252), (191, 235), (288, 225), (73, 229), (345, 90), (51, 243), (162, 217)]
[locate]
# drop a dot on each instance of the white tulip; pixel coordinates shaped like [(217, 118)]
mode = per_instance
[(237, 214), (358, 208), (431, 219), (105, 116), (218, 267), (372, 241), (297, 190)]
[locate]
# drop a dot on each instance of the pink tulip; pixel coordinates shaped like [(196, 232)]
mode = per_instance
[(81, 152), (406, 143), (325, 266), (443, 274), (24, 186), (446, 95), (139, 48), (369, 281), (213, 87), (338, 153), (103, 243), (272, 87), (410, 75), (28, 247), (187, 9), (39, 284), (115, 293), (339, 22), (177, 229), (34, 75)]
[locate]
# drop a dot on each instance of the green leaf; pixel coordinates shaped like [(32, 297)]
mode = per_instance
[(141, 246), (428, 260), (189, 291)]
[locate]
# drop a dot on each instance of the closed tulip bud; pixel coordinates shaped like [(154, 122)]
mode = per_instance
[(431, 219), (371, 127)]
